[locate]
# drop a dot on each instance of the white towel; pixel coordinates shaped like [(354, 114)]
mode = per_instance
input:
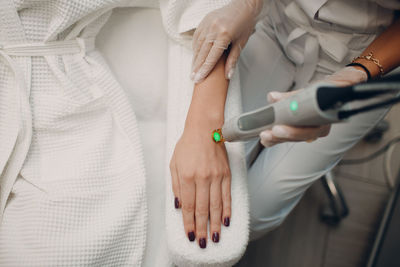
[(234, 238)]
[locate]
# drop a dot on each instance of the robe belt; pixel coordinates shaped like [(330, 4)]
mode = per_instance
[(333, 43), (17, 135), (75, 46)]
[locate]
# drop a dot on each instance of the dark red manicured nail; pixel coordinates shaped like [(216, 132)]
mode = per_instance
[(176, 203), (215, 237), (191, 236), (202, 243), (226, 221)]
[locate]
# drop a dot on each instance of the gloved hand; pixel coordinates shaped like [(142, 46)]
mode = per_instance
[(284, 133), (230, 25), (347, 76)]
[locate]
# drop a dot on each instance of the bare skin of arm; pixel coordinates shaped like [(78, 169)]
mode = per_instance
[(385, 48), (201, 178)]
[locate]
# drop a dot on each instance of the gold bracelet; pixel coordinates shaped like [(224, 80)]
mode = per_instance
[(370, 57)]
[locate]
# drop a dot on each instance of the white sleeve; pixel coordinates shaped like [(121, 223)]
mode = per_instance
[(180, 17)]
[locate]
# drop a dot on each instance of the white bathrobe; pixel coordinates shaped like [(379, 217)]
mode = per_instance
[(72, 174)]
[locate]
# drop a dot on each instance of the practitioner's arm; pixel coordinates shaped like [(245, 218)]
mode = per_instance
[(384, 48), (199, 167)]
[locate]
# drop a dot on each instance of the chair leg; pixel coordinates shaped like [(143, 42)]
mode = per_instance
[(376, 133), (337, 209)]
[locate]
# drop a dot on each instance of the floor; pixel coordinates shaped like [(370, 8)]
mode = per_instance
[(304, 241)]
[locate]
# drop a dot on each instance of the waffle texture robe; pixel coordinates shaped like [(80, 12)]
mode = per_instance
[(72, 175)]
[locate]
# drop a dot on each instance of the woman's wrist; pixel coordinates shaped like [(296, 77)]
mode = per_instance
[(205, 122), (371, 67)]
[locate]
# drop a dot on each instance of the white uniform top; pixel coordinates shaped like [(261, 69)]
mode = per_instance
[(362, 16), (340, 28)]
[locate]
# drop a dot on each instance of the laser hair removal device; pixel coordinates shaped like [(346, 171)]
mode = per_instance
[(319, 104)]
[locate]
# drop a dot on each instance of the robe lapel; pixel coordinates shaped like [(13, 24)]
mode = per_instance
[(15, 113)]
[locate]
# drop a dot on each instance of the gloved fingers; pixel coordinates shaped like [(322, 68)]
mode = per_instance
[(347, 76), (197, 33), (284, 133), (264, 140), (202, 210), (201, 55), (215, 210), (231, 61), (203, 30), (175, 184), (275, 96), (211, 54), (205, 39), (197, 45), (343, 77), (267, 139)]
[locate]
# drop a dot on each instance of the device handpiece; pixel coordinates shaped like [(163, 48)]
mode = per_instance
[(301, 109)]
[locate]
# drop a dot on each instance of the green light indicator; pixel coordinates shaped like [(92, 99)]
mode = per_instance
[(217, 137), (294, 105)]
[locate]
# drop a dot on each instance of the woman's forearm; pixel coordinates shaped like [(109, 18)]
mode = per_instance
[(200, 172), (385, 48), (208, 101)]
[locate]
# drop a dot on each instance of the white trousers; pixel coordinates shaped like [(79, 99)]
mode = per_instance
[(281, 174)]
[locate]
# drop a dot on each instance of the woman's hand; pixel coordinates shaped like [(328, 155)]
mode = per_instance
[(230, 25), (201, 178), (201, 181), (284, 133)]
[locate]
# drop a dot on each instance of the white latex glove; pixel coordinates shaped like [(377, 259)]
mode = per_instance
[(230, 25), (284, 133), (347, 76)]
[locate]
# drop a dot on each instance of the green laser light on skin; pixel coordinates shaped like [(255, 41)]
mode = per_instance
[(217, 137)]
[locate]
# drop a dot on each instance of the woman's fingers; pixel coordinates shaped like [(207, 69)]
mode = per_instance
[(226, 200), (215, 210), (202, 209), (289, 133), (175, 184), (188, 193)]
